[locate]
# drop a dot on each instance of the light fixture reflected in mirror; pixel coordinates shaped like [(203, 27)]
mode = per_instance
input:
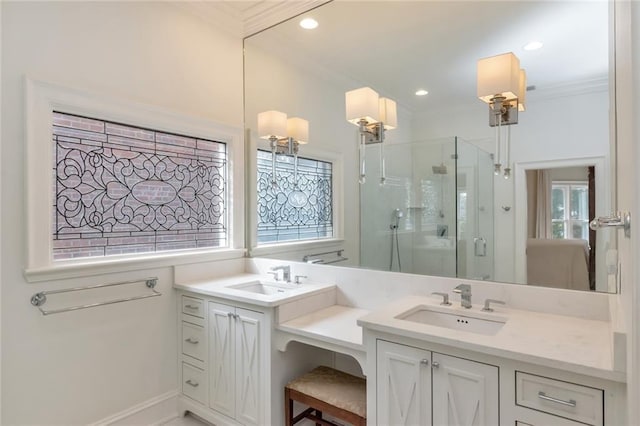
[(284, 136), (373, 115), (501, 84)]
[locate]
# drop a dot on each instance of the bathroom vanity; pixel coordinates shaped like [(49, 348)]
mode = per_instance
[(228, 368), (466, 366), (426, 363)]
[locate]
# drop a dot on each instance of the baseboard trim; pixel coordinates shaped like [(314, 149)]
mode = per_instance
[(155, 411)]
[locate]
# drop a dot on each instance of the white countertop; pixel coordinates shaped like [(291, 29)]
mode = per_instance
[(219, 287), (335, 324), (567, 343)]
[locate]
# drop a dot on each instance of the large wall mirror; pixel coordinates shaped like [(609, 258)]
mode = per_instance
[(429, 201)]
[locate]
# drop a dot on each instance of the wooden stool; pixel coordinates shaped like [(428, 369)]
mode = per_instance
[(325, 390)]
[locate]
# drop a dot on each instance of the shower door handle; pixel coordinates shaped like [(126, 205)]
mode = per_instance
[(479, 247)]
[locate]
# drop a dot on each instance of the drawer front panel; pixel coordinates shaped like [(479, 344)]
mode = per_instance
[(193, 383), (193, 341), (193, 306), (579, 403)]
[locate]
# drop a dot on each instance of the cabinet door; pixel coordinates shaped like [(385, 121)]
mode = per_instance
[(403, 385), (222, 358), (250, 369), (465, 393)]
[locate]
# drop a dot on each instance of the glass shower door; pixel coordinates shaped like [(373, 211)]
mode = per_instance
[(474, 204)]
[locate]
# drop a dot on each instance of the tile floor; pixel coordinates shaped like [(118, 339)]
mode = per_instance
[(188, 420)]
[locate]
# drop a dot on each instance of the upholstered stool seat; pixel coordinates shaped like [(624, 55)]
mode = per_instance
[(324, 389)]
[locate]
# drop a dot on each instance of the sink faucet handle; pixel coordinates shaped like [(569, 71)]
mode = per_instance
[(298, 278), (445, 298), (275, 274), (488, 302)]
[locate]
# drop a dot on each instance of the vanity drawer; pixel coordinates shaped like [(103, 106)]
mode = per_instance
[(192, 306), (193, 342), (576, 402), (193, 383)]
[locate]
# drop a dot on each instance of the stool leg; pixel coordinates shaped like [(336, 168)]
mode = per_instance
[(288, 408), (319, 414)]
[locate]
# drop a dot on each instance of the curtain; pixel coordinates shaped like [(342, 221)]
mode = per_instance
[(543, 204), (539, 203)]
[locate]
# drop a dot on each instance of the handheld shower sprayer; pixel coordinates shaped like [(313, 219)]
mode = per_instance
[(397, 215)]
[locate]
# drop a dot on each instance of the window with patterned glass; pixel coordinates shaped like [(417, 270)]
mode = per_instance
[(121, 189), (299, 206)]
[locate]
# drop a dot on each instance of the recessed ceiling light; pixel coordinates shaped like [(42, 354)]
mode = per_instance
[(421, 92), (309, 23), (532, 45)]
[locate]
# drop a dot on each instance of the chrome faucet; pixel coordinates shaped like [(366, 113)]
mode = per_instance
[(286, 272), (465, 295)]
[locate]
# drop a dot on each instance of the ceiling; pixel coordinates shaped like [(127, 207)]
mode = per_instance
[(397, 47), (243, 18)]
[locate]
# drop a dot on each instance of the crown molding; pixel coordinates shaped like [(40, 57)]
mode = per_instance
[(573, 88), (266, 14), (245, 18)]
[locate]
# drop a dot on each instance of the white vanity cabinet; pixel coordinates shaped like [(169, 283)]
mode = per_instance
[(224, 355), (237, 344), (418, 382), (403, 385), (420, 387)]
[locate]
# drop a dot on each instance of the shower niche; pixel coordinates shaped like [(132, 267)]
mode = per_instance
[(433, 213)]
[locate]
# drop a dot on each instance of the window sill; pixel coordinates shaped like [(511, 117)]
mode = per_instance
[(92, 267), (270, 249)]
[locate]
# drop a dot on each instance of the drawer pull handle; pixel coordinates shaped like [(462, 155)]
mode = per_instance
[(194, 384), (191, 306), (190, 340), (569, 403)]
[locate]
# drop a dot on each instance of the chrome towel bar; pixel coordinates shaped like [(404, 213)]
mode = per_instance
[(318, 257), (40, 298)]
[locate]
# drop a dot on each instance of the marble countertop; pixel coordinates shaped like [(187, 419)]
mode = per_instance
[(220, 287), (567, 343)]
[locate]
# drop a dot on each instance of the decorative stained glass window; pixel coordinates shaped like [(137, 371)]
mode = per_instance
[(121, 189), (298, 207)]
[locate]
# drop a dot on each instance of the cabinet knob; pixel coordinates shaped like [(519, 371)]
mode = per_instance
[(435, 364), (194, 384), (424, 361)]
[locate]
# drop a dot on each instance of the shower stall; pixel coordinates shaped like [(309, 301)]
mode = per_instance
[(433, 213)]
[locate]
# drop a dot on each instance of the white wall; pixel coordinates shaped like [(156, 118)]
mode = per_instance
[(628, 184), (1, 7), (633, 294), (80, 367), (551, 128)]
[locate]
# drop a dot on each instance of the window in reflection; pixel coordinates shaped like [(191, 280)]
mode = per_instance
[(570, 210), (298, 207)]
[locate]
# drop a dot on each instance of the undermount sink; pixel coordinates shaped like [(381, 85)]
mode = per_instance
[(262, 288), (455, 321)]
